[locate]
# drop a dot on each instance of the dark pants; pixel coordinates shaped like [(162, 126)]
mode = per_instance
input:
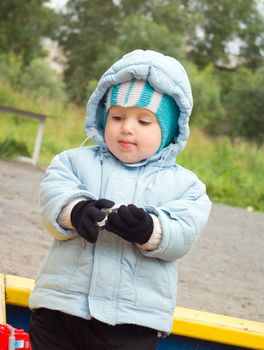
[(54, 330)]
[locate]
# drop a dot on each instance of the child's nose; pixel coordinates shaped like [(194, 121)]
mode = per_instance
[(127, 126)]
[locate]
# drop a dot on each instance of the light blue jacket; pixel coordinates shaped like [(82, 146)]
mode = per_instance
[(113, 280)]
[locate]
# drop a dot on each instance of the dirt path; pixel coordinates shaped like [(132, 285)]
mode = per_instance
[(224, 273)]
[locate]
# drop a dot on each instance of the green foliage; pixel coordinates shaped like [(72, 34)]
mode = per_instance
[(41, 81), (62, 131), (246, 105), (7, 96), (139, 32), (10, 67), (127, 7), (22, 25), (232, 172), (10, 148), (91, 87), (235, 178), (111, 54), (85, 29), (93, 42), (178, 15), (222, 21), (37, 79), (208, 111), (204, 29), (252, 35), (94, 34)]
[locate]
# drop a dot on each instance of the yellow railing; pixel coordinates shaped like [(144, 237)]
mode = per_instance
[(187, 322), (2, 300)]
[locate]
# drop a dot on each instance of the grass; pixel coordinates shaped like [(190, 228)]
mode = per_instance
[(232, 172), (63, 128)]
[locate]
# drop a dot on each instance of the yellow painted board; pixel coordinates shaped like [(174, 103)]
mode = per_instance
[(18, 290), (186, 322), (2, 300), (218, 328)]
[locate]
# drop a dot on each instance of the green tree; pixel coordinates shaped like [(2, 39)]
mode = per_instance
[(139, 32), (246, 105), (208, 111), (10, 67), (85, 29), (40, 81), (128, 7), (177, 15), (22, 25), (94, 34), (144, 33), (222, 21), (209, 27)]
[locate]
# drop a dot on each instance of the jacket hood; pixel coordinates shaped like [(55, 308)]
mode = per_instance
[(164, 73)]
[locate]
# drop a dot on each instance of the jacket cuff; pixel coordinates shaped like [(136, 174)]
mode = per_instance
[(64, 218), (155, 238)]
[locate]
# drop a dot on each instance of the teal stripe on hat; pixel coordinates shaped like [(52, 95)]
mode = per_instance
[(145, 96), (168, 115), (114, 95)]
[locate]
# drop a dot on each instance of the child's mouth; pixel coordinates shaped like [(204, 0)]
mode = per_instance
[(126, 144)]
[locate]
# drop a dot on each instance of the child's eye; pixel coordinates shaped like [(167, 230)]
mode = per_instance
[(117, 117), (144, 122)]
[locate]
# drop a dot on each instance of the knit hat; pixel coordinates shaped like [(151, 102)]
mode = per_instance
[(139, 93)]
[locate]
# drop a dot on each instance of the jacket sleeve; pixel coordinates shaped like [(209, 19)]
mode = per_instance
[(182, 222), (60, 187)]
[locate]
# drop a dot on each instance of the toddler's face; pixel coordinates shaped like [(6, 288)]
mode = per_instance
[(132, 133)]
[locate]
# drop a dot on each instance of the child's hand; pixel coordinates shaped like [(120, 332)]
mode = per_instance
[(131, 223), (86, 214)]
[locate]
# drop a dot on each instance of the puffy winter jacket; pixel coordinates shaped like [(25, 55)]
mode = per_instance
[(113, 280)]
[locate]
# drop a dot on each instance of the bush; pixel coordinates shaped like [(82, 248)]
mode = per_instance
[(37, 79), (42, 82), (10, 67), (247, 106), (10, 148), (208, 112)]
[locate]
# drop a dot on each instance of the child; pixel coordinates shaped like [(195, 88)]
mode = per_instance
[(121, 212)]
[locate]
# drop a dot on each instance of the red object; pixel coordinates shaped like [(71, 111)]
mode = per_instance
[(12, 338)]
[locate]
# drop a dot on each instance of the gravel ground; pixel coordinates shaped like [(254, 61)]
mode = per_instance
[(223, 273)]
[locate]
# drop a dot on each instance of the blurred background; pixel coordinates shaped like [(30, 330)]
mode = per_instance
[(53, 53)]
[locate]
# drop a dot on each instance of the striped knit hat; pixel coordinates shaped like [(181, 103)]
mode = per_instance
[(139, 93)]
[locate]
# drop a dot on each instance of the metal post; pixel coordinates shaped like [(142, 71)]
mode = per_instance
[(38, 141)]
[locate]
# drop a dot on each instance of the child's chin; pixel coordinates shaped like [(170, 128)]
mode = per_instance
[(130, 160)]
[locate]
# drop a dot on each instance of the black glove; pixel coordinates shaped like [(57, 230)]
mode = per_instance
[(86, 214), (131, 223)]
